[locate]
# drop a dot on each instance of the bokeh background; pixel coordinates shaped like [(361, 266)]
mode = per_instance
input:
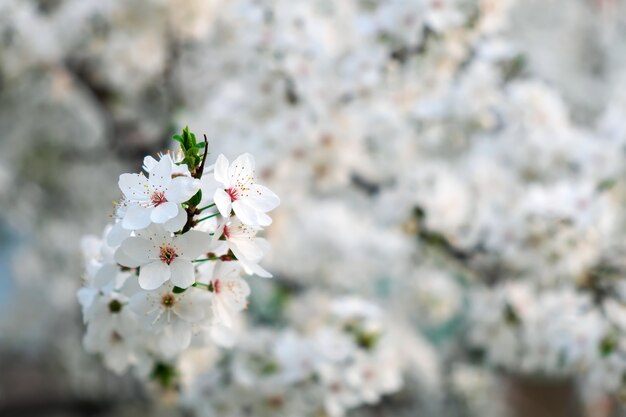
[(459, 163)]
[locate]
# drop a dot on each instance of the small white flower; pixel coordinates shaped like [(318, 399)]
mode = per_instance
[(162, 256), (156, 198), (238, 191), (102, 274), (111, 331), (374, 375), (230, 292), (242, 240), (170, 316)]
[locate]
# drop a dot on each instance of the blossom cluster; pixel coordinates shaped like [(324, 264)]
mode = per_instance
[(170, 271), (338, 355)]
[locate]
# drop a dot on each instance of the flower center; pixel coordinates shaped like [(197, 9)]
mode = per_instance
[(115, 306), (158, 198), (168, 300), (226, 232), (233, 193), (167, 254)]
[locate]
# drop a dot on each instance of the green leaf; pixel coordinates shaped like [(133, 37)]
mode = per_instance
[(164, 374), (178, 290), (195, 200), (606, 184), (510, 315), (608, 345)]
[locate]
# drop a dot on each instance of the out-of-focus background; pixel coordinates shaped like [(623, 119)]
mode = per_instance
[(459, 163)]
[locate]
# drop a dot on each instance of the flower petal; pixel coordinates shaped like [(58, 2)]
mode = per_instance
[(183, 274), (161, 174), (140, 249), (241, 171), (253, 268), (182, 189), (223, 336), (236, 293), (117, 234), (245, 213), (153, 275), (262, 198), (222, 201), (164, 212), (137, 217), (177, 223), (193, 244), (175, 338), (263, 219), (189, 310), (134, 187), (208, 186), (141, 303), (221, 171), (123, 259), (246, 249), (149, 163)]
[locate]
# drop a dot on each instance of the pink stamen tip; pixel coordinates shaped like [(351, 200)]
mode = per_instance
[(158, 198), (226, 232), (233, 193), (216, 286)]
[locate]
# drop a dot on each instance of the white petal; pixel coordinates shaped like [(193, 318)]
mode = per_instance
[(149, 163), (123, 259), (227, 270), (164, 212), (189, 311), (141, 303), (117, 234), (208, 186), (223, 336), (105, 275), (193, 244), (182, 189), (117, 359), (177, 223), (182, 273), (161, 174), (153, 275), (241, 171), (262, 198), (222, 201), (176, 338), (134, 187), (140, 249), (236, 292), (137, 217), (246, 248), (263, 219), (221, 171), (86, 296), (253, 268), (221, 313), (245, 213)]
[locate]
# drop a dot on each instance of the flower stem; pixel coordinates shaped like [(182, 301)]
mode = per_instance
[(206, 207), (207, 217), (212, 258)]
